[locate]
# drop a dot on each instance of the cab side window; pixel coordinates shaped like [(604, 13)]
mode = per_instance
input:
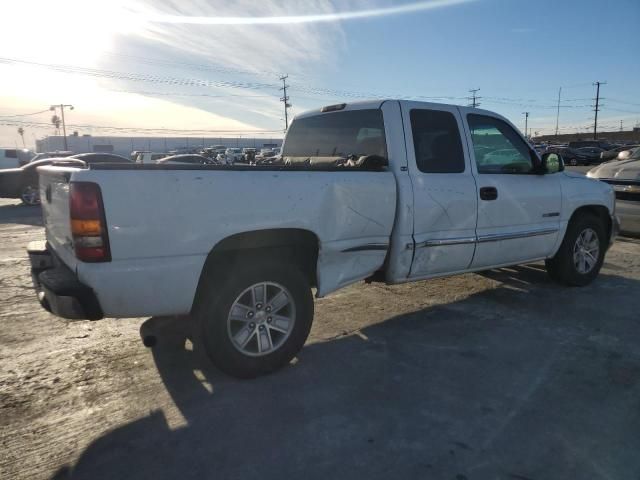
[(436, 140), (498, 148)]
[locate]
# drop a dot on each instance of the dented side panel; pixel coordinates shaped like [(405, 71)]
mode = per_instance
[(170, 216)]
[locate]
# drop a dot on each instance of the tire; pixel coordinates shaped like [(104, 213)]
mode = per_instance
[(30, 195), (571, 267), (266, 347), (573, 162)]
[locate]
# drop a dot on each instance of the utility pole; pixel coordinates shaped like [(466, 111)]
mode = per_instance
[(474, 98), (621, 129), (285, 99), (597, 109), (62, 106), (558, 111), (526, 123)]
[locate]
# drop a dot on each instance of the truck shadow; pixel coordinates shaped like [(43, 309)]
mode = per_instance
[(471, 389)]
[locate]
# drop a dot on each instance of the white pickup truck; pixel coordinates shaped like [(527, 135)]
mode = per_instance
[(392, 191)]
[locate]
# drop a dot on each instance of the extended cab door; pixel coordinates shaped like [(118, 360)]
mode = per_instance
[(518, 209), (444, 189)]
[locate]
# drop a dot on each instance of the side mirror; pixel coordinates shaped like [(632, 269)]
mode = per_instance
[(551, 163), (373, 162)]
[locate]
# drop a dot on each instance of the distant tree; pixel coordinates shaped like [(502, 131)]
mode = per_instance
[(21, 133)]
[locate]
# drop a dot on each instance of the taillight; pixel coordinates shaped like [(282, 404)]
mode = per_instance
[(88, 224)]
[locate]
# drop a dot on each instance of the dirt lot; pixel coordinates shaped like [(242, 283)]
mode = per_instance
[(502, 375)]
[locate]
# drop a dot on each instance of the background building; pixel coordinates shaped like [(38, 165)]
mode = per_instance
[(125, 145)]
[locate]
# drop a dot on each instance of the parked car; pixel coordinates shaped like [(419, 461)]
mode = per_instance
[(190, 159), (149, 157), (613, 153), (624, 176), (265, 156), (380, 190), (233, 155), (56, 154), (14, 157), (96, 158), (582, 156), (22, 182), (603, 144)]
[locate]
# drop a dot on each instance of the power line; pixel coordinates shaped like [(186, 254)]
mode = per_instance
[(25, 114), (136, 129)]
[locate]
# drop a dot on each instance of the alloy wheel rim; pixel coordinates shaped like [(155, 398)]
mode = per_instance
[(30, 195), (586, 251), (261, 319)]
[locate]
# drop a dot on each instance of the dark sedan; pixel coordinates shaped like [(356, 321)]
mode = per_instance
[(582, 156), (22, 182)]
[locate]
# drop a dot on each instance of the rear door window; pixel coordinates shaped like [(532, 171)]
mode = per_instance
[(436, 140), (336, 139)]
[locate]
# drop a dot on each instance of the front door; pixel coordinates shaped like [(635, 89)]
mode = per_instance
[(518, 209)]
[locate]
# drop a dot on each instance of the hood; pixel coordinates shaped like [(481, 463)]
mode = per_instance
[(618, 169)]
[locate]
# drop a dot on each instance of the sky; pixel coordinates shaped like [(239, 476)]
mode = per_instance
[(212, 67)]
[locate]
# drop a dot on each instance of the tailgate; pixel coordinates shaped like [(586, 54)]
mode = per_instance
[(54, 195)]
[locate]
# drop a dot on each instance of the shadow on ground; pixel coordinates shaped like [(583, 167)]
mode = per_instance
[(22, 214), (524, 381)]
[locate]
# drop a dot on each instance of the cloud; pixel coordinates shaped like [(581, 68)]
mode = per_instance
[(412, 7)]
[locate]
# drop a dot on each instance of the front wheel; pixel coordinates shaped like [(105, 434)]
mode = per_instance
[(581, 254), (256, 319), (30, 195)]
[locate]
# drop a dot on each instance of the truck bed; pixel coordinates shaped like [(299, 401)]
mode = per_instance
[(163, 220)]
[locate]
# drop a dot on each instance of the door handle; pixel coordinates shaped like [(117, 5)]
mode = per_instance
[(488, 193)]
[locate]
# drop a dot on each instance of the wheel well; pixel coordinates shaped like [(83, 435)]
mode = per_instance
[(290, 244), (598, 211)]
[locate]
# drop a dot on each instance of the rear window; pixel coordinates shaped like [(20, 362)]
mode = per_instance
[(436, 140), (11, 154), (336, 139)]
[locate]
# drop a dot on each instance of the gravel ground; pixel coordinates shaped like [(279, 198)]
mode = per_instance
[(503, 375)]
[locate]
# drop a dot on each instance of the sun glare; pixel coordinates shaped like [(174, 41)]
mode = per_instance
[(72, 31)]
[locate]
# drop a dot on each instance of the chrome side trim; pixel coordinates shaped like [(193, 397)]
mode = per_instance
[(496, 237), (368, 246), (440, 242)]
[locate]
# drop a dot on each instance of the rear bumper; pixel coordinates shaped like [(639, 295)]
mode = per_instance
[(58, 288)]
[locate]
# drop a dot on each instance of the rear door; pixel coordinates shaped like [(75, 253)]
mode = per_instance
[(518, 209), (444, 189)]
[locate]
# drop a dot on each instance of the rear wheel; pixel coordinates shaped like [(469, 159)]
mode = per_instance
[(30, 195), (581, 254), (257, 319)]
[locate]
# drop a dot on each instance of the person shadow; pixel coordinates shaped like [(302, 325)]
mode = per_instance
[(500, 384)]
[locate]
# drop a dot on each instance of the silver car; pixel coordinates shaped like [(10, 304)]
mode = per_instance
[(623, 174)]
